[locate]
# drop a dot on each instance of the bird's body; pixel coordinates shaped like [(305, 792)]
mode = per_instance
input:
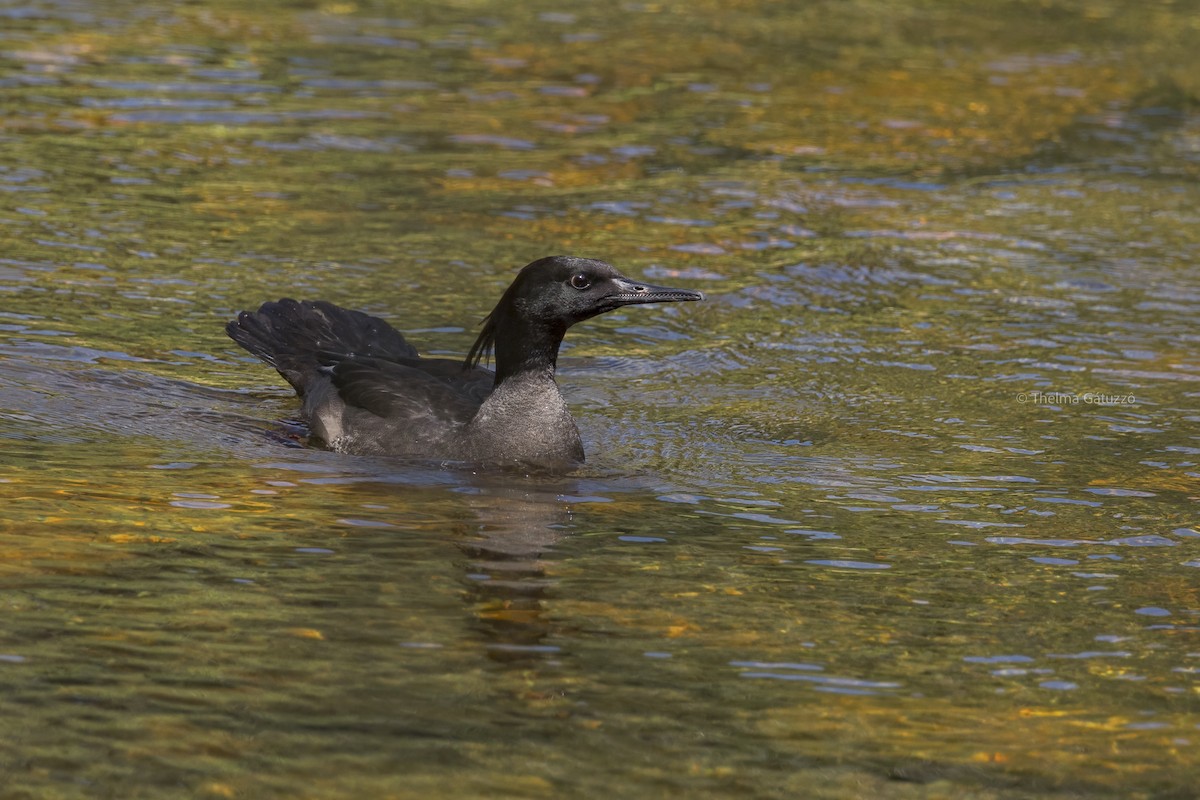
[(366, 390)]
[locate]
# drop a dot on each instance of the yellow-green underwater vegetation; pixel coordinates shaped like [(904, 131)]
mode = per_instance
[(906, 509)]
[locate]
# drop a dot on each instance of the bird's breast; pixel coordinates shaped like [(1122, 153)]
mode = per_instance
[(525, 420)]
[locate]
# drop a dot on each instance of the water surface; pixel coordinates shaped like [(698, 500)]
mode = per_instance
[(907, 509)]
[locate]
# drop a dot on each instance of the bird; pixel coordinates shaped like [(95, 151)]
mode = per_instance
[(366, 391)]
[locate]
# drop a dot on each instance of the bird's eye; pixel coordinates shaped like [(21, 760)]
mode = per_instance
[(580, 281)]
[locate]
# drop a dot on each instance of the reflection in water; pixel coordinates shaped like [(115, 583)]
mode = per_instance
[(509, 554)]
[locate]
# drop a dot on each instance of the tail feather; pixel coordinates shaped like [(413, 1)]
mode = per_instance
[(299, 338)]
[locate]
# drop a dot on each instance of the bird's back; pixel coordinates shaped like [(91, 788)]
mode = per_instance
[(365, 389)]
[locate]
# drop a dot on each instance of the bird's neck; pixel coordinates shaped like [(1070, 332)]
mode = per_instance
[(527, 350)]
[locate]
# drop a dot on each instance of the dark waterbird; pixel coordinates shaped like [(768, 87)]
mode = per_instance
[(366, 390)]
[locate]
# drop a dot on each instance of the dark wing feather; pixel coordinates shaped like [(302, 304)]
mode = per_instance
[(298, 338), (412, 388)]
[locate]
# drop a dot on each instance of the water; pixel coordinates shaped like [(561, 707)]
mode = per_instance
[(905, 509)]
